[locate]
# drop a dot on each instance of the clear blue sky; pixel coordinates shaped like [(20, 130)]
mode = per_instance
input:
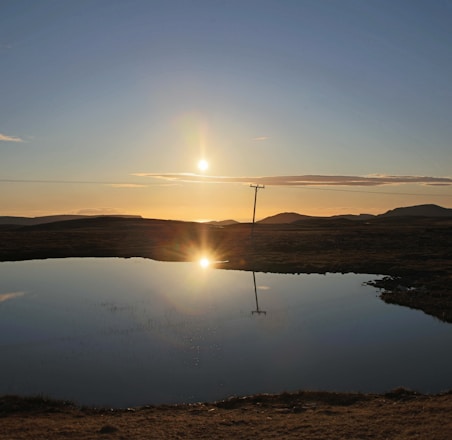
[(99, 91)]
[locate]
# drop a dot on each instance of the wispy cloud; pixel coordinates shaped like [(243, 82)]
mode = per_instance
[(10, 295), (126, 185), (78, 182), (5, 138), (304, 180), (5, 46), (260, 138)]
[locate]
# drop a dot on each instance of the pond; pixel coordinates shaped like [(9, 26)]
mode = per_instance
[(128, 332)]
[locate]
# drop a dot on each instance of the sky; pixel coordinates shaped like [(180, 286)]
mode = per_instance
[(336, 106)]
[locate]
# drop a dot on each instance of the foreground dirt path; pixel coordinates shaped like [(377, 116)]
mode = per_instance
[(397, 415)]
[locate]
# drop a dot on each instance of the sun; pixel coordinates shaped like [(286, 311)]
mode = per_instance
[(203, 165), (204, 262)]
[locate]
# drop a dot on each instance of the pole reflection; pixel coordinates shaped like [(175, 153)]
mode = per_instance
[(258, 311)]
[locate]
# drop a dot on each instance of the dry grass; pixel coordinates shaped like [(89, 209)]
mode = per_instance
[(305, 415)]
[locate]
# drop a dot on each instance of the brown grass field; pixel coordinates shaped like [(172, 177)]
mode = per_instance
[(414, 253), (398, 415)]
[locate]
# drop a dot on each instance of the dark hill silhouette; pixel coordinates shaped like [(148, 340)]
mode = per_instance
[(31, 221), (430, 210), (223, 223), (353, 216), (284, 217), (419, 211)]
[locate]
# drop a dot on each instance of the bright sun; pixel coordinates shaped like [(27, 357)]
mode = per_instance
[(203, 165), (204, 262)]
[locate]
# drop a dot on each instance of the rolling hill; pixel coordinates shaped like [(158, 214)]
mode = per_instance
[(31, 221), (429, 210)]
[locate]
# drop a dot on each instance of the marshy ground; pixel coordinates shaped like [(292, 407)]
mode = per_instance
[(415, 254)]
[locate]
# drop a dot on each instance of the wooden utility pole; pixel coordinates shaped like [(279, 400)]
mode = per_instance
[(256, 188)]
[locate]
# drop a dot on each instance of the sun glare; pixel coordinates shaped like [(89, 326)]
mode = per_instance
[(203, 165), (204, 262)]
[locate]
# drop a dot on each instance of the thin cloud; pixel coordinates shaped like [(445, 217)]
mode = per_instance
[(5, 138), (126, 185), (78, 182), (304, 180), (4, 47), (10, 295), (260, 138)]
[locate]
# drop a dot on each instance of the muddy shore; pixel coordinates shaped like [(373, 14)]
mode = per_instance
[(400, 414)]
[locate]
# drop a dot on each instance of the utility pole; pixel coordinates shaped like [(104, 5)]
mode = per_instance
[(256, 187)]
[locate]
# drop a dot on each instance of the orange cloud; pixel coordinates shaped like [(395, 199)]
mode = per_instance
[(126, 185), (10, 295), (5, 138)]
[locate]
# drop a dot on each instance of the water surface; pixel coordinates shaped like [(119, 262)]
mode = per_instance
[(125, 332)]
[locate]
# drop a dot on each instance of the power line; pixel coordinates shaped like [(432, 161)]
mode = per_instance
[(393, 193), (306, 187)]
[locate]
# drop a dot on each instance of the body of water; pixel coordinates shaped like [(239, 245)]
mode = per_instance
[(126, 332)]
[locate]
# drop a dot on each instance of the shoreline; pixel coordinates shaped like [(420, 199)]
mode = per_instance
[(400, 413), (413, 254)]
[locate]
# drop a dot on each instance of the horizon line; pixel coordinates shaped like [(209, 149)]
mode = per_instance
[(216, 221)]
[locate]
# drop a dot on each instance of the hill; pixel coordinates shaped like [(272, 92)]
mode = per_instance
[(284, 217), (419, 211), (430, 210), (31, 221), (223, 223), (353, 216)]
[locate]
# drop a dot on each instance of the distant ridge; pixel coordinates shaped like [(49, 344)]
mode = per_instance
[(223, 222), (30, 221), (419, 211), (354, 216), (284, 217), (429, 210)]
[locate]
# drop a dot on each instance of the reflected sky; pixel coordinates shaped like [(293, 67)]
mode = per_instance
[(124, 332)]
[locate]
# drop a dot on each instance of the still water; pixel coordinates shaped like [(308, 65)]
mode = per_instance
[(126, 332)]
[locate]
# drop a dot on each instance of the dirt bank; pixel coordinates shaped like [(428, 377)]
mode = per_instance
[(305, 415)]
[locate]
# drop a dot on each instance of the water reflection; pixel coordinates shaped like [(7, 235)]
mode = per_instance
[(130, 332), (258, 311)]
